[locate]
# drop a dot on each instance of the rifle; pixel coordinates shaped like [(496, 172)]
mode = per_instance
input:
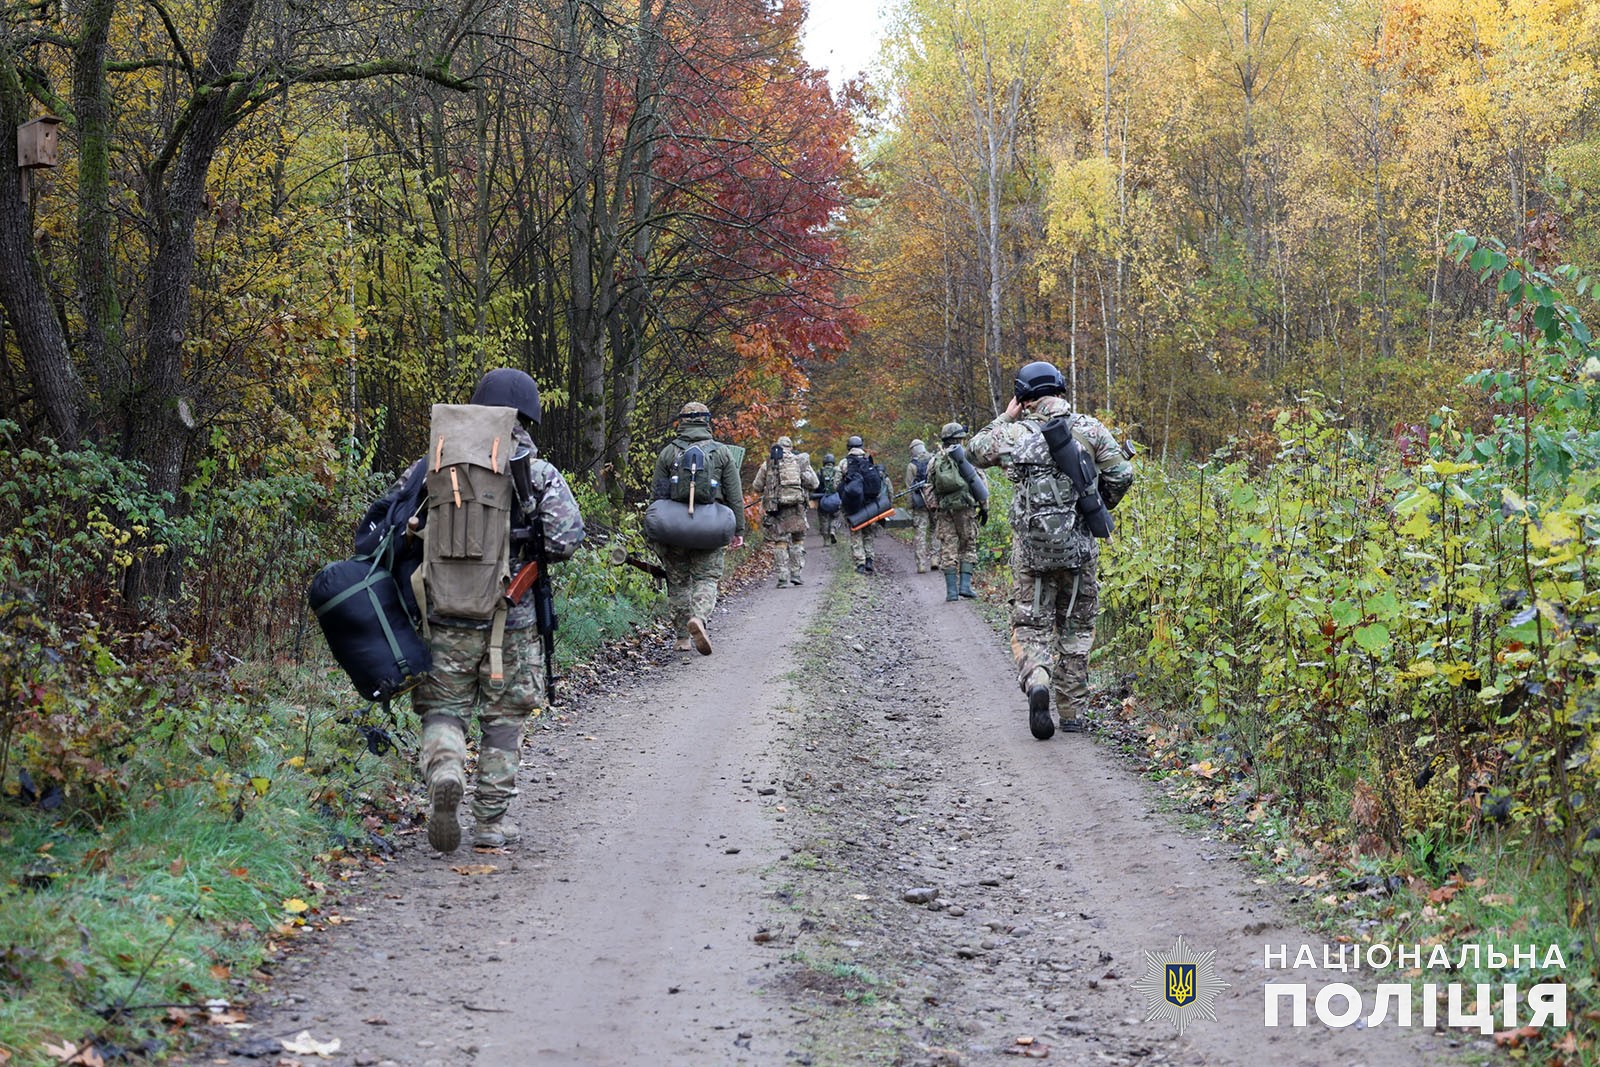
[(535, 575), (919, 485), (620, 557)]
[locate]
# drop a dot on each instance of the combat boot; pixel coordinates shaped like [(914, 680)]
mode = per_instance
[(681, 644), (950, 591), (966, 582), (869, 567), (698, 635), (444, 797), (495, 833)]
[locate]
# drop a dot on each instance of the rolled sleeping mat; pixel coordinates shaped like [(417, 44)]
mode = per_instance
[(970, 475), (669, 522), (1073, 460), (880, 508)]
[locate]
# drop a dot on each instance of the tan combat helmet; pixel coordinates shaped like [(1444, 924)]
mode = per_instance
[(694, 411), (785, 442), (952, 431)]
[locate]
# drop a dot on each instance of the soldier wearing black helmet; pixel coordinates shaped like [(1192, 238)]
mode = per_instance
[(460, 686), (1054, 553), (861, 541)]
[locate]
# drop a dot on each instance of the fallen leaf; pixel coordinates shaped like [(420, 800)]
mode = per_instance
[(220, 972), (294, 905), (475, 868), (1516, 1038), (303, 1044), (376, 1020)]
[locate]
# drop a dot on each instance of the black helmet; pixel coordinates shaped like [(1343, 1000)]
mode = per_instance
[(828, 458), (855, 442), (508, 387), (1039, 379)]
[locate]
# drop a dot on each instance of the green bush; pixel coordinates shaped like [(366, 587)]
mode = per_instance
[(1414, 620)]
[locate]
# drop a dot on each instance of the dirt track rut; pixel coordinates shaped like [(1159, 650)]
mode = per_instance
[(716, 863)]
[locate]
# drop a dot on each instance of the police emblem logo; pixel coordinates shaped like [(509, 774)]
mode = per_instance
[(1180, 985)]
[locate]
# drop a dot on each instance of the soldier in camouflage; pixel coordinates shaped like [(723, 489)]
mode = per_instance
[(460, 684), (962, 506), (827, 484), (784, 482), (694, 576), (861, 541), (923, 533), (1055, 595)]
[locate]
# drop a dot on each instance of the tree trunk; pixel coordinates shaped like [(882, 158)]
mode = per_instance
[(161, 424), (58, 390)]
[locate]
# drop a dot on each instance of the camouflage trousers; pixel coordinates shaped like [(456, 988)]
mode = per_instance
[(828, 524), (861, 543), (958, 537), (692, 583), (1052, 626), (789, 554), (924, 537), (459, 688)]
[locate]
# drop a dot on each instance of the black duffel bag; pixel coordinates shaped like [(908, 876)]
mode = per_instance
[(669, 522), (358, 606)]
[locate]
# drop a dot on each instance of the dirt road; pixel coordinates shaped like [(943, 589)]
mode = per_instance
[(719, 860)]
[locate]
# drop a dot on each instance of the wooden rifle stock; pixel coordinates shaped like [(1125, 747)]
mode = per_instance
[(522, 583)]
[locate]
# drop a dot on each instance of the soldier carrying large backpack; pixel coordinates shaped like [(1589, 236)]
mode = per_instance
[(695, 468), (494, 510), (785, 481), (1068, 469), (961, 501)]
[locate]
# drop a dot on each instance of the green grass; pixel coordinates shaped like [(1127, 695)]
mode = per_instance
[(169, 904)]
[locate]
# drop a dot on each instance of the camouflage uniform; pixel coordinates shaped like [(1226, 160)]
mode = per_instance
[(828, 521), (784, 525), (1053, 611), (861, 550), (923, 532), (693, 576), (958, 521), (460, 684)]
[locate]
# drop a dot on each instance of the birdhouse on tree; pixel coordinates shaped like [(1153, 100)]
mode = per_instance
[(38, 143)]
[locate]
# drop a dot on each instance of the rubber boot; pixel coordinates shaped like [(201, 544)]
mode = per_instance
[(950, 591), (1037, 687), (966, 582)]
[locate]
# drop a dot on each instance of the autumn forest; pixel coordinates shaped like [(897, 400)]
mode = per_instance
[(1326, 264)]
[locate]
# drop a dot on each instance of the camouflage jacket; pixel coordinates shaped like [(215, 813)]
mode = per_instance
[(1048, 533), (554, 504), (992, 446), (920, 498), (724, 464), (788, 518)]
